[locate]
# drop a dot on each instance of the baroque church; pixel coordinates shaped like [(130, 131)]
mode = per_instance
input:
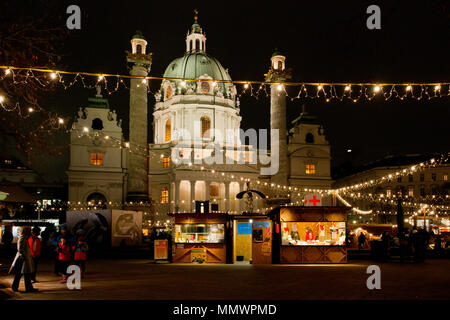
[(178, 169)]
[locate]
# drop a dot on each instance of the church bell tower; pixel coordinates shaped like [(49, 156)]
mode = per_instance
[(277, 75), (140, 63)]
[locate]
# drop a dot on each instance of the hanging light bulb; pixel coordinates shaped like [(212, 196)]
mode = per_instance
[(319, 87), (53, 75), (183, 84), (408, 88), (86, 129), (60, 120), (7, 71), (144, 81), (127, 144), (2, 98), (376, 89), (30, 110), (106, 137), (100, 78), (347, 88), (279, 87), (246, 86), (437, 87)]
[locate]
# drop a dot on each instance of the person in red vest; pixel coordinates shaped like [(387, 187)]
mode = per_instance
[(80, 249), (64, 257), (35, 248)]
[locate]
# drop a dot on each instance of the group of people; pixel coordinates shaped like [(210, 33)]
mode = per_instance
[(29, 247)]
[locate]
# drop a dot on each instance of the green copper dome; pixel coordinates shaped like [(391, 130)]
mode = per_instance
[(138, 35), (194, 65)]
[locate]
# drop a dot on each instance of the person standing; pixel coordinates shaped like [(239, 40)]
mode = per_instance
[(64, 257), (23, 262), (35, 248), (361, 240), (80, 254), (55, 242)]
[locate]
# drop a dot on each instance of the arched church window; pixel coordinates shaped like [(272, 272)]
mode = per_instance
[(168, 135), (309, 138), (206, 126), (164, 195), (169, 92), (97, 124), (96, 198), (280, 65), (197, 44), (139, 49)]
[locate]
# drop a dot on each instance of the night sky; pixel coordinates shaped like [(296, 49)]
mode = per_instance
[(322, 41)]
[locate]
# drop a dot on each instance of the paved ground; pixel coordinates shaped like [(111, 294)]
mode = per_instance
[(141, 279)]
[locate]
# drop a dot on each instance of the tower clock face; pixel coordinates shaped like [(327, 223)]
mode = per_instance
[(205, 87)]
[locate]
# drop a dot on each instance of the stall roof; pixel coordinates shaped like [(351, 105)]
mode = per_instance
[(16, 194)]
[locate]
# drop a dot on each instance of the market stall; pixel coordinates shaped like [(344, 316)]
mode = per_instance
[(199, 237), (309, 234)]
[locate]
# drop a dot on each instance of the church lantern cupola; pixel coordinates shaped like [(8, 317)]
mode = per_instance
[(278, 61), (138, 43), (195, 39)]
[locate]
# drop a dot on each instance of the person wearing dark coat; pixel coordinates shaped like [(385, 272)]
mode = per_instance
[(35, 248), (23, 262)]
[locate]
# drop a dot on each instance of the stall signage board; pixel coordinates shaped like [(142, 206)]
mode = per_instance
[(261, 224), (244, 228), (161, 249)]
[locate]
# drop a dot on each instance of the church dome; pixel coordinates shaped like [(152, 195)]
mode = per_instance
[(194, 65)]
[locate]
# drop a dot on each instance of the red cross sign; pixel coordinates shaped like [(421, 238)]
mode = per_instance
[(313, 200)]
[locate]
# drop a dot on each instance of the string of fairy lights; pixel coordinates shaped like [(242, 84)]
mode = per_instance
[(306, 90), (327, 91)]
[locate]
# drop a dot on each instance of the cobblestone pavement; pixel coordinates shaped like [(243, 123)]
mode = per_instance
[(141, 279)]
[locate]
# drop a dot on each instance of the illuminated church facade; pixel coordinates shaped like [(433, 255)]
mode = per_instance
[(192, 156)]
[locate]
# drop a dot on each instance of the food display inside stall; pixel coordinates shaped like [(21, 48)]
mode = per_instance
[(310, 234), (200, 233), (313, 233)]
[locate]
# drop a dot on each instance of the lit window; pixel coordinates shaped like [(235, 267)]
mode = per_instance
[(168, 131), (97, 159), (445, 177), (206, 126), (310, 169), (164, 195), (166, 162), (388, 192), (411, 191)]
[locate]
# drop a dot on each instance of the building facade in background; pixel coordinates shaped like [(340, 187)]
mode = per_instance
[(191, 157)]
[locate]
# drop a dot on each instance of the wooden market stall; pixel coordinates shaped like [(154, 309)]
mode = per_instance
[(199, 237), (309, 234)]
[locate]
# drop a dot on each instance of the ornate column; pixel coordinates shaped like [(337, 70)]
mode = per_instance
[(140, 64), (192, 206), (227, 196), (177, 196), (241, 202), (207, 185)]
